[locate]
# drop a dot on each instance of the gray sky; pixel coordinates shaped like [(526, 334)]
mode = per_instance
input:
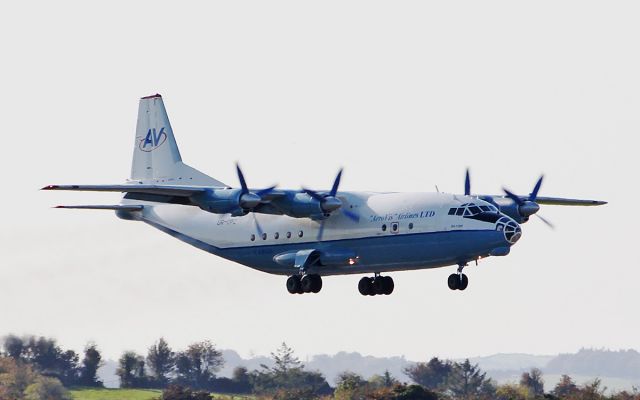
[(404, 95)]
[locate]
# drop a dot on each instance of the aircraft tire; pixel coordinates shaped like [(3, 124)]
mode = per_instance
[(379, 285), (453, 281), (307, 283), (365, 286), (293, 284), (464, 282), (316, 285), (388, 285)]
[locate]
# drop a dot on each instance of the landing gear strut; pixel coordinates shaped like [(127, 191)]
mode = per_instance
[(297, 284), (376, 285), (458, 281)]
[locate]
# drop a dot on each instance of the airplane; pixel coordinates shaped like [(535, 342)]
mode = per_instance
[(306, 234)]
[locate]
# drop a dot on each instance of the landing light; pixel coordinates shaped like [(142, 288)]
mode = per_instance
[(352, 261)]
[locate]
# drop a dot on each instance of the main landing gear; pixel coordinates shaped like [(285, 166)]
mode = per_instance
[(311, 283), (376, 285), (458, 281)]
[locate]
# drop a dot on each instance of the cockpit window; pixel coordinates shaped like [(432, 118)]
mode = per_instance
[(471, 209)]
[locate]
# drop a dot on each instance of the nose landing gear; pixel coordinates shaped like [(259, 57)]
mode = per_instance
[(376, 285), (458, 281)]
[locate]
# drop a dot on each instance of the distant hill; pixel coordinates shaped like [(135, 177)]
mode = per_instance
[(605, 363)]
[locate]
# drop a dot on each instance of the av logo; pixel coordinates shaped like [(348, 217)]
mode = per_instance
[(153, 140)]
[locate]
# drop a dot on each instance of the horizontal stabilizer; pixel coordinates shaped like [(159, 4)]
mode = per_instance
[(105, 207), (185, 191)]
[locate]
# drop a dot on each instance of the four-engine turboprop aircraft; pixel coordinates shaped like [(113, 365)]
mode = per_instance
[(306, 234)]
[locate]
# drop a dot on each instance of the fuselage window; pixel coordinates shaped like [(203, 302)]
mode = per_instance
[(253, 237), (288, 235), (410, 225), (452, 211), (300, 234), (276, 235), (460, 211), (384, 227), (264, 236)]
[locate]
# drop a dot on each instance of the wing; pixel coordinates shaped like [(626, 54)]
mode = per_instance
[(554, 201)]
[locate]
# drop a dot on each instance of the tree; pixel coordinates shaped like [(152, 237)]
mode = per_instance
[(466, 380), (90, 363), (131, 370), (432, 375), (511, 392), (197, 365), (565, 388), (15, 376), (386, 380), (13, 346), (349, 385), (413, 392), (241, 380), (45, 388), (160, 360), (533, 381), (284, 359)]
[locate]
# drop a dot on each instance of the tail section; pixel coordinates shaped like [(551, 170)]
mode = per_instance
[(156, 158)]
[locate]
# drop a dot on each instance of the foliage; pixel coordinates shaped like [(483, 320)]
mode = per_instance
[(90, 363), (160, 360), (533, 382), (131, 370), (196, 366), (288, 374), (45, 388), (176, 392), (432, 375)]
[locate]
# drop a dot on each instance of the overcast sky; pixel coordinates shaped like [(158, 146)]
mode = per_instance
[(403, 95)]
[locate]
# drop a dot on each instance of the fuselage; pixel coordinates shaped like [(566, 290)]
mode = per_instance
[(395, 231)]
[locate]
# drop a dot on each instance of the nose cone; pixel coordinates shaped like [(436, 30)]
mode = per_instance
[(249, 200), (529, 208), (331, 203)]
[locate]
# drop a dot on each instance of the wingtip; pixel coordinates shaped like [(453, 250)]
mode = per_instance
[(153, 96), (49, 187)]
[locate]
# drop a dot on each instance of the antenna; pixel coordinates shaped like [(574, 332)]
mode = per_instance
[(437, 190)]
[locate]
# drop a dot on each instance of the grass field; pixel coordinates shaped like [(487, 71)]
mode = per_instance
[(135, 394)]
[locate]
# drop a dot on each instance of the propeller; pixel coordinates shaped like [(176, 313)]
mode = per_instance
[(467, 184), (247, 200), (329, 203), (529, 207)]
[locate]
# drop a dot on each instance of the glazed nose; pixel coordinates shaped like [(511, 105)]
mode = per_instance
[(512, 232)]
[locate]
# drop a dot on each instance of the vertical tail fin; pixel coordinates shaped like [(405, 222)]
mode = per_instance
[(156, 158)]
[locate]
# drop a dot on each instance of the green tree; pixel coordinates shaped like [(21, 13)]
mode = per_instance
[(284, 359), (45, 388), (349, 385), (533, 382), (160, 360), (131, 370), (197, 365), (13, 346), (177, 392), (432, 375), (15, 376), (386, 380), (90, 363), (412, 392), (565, 388), (467, 381)]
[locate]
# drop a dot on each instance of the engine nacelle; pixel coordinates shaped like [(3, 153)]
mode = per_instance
[(218, 201), (301, 205)]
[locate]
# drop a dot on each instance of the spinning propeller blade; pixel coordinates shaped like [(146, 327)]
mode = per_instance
[(467, 184)]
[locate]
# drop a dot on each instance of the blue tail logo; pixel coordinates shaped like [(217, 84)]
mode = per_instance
[(153, 140)]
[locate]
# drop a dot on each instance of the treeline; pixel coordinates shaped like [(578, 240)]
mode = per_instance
[(50, 360), (36, 368)]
